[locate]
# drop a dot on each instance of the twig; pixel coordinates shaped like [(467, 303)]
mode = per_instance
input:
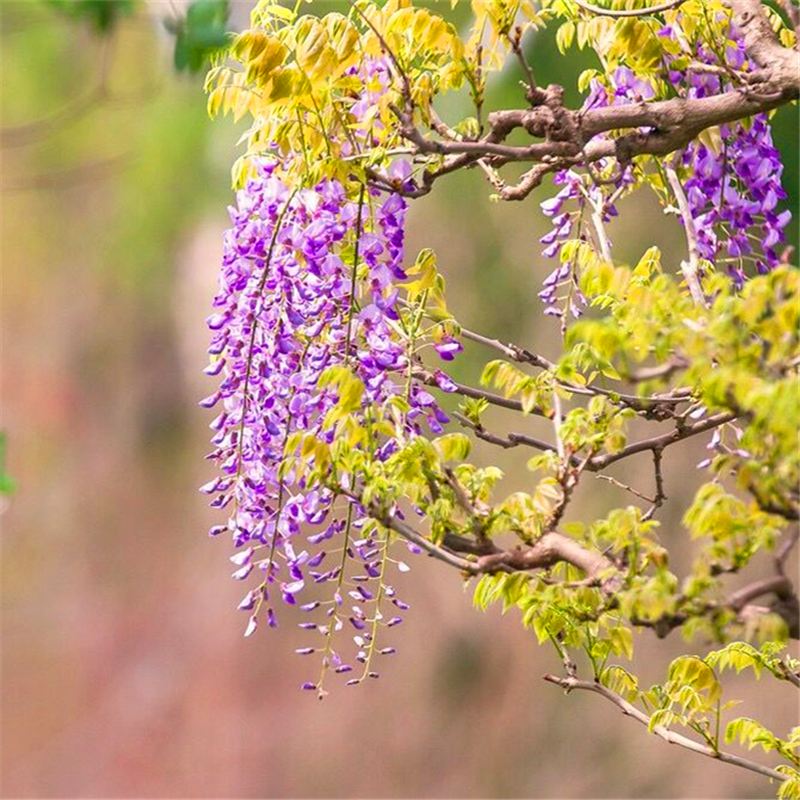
[(625, 487), (516, 46), (785, 547), (492, 176), (477, 516), (391, 521), (654, 373), (660, 496), (629, 710), (523, 356), (600, 462), (627, 12), (429, 379), (513, 439), (788, 673), (690, 268), (660, 442), (599, 226), (389, 52), (511, 351), (557, 419)]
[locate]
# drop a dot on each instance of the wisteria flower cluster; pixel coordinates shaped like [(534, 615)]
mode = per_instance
[(735, 188), (286, 312), (732, 188), (305, 322), (589, 196)]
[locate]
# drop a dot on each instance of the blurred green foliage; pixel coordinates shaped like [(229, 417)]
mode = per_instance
[(203, 32), (101, 15)]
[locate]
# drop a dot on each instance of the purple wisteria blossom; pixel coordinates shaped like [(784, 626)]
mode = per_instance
[(309, 282), (733, 190), (582, 195)]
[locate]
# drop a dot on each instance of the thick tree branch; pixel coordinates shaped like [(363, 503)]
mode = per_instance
[(762, 44), (658, 128), (551, 549)]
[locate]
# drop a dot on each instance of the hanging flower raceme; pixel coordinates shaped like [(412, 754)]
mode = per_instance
[(585, 195), (306, 331), (287, 312), (733, 188)]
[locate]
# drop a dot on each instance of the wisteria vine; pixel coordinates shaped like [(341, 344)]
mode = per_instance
[(320, 327)]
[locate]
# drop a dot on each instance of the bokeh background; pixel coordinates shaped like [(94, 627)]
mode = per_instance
[(124, 672)]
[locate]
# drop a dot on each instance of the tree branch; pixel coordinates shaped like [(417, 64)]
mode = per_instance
[(629, 710), (660, 442), (779, 585), (429, 379), (656, 128), (600, 462), (627, 12), (391, 521), (646, 404), (551, 549), (690, 268)]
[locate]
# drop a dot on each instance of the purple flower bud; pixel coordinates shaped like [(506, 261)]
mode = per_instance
[(444, 382), (252, 625), (242, 573), (248, 602)]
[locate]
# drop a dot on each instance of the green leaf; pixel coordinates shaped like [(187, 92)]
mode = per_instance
[(7, 484), (453, 446), (201, 34)]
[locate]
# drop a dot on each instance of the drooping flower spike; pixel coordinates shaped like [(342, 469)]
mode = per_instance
[(303, 325)]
